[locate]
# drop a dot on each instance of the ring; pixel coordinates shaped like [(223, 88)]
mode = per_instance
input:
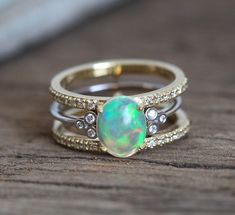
[(118, 106)]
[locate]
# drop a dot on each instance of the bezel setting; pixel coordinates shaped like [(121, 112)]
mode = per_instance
[(154, 119), (90, 118)]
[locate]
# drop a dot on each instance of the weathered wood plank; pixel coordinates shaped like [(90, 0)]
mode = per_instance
[(195, 174)]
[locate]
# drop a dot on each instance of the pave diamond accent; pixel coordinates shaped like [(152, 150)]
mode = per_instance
[(91, 105), (80, 102), (149, 100), (151, 144)]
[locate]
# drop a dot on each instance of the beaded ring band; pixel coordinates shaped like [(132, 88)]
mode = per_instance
[(179, 127), (120, 125)]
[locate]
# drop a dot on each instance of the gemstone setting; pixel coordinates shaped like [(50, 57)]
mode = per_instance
[(151, 113), (91, 133), (90, 118), (162, 118), (152, 128), (80, 124), (121, 126)]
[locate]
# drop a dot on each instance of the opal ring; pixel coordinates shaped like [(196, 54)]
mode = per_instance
[(119, 106), (83, 122)]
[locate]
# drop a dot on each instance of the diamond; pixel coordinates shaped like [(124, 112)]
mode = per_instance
[(152, 129), (151, 113), (151, 144), (165, 97), (73, 102), (162, 118), (157, 98), (149, 100), (90, 118), (173, 94), (91, 133), (90, 105), (80, 124), (80, 104)]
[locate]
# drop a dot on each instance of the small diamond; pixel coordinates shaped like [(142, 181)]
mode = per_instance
[(151, 113), (90, 118), (90, 105), (162, 118), (157, 98), (80, 104), (173, 94), (152, 129), (151, 144), (80, 124), (73, 102), (91, 133), (165, 97), (149, 100), (179, 90)]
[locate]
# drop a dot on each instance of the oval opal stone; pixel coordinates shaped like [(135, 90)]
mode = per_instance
[(121, 126)]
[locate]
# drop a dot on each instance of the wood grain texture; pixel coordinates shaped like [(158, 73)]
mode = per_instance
[(195, 174)]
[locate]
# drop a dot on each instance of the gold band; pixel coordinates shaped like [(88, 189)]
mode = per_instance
[(115, 69), (179, 127)]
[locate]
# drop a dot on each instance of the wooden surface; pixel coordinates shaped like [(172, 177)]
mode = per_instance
[(195, 174)]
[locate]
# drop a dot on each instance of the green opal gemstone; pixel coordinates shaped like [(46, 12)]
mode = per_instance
[(121, 126)]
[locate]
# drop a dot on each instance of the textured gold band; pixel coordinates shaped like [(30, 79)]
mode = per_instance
[(179, 128), (115, 68)]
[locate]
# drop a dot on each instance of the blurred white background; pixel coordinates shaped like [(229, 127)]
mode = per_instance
[(24, 23)]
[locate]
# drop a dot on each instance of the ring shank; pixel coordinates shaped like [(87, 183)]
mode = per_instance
[(116, 71), (116, 68)]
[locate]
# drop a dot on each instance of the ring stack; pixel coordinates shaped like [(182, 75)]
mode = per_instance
[(119, 106)]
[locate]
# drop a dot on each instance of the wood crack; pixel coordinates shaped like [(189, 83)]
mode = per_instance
[(75, 185), (101, 158)]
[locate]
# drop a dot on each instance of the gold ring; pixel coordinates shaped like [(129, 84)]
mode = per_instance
[(116, 68), (95, 108)]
